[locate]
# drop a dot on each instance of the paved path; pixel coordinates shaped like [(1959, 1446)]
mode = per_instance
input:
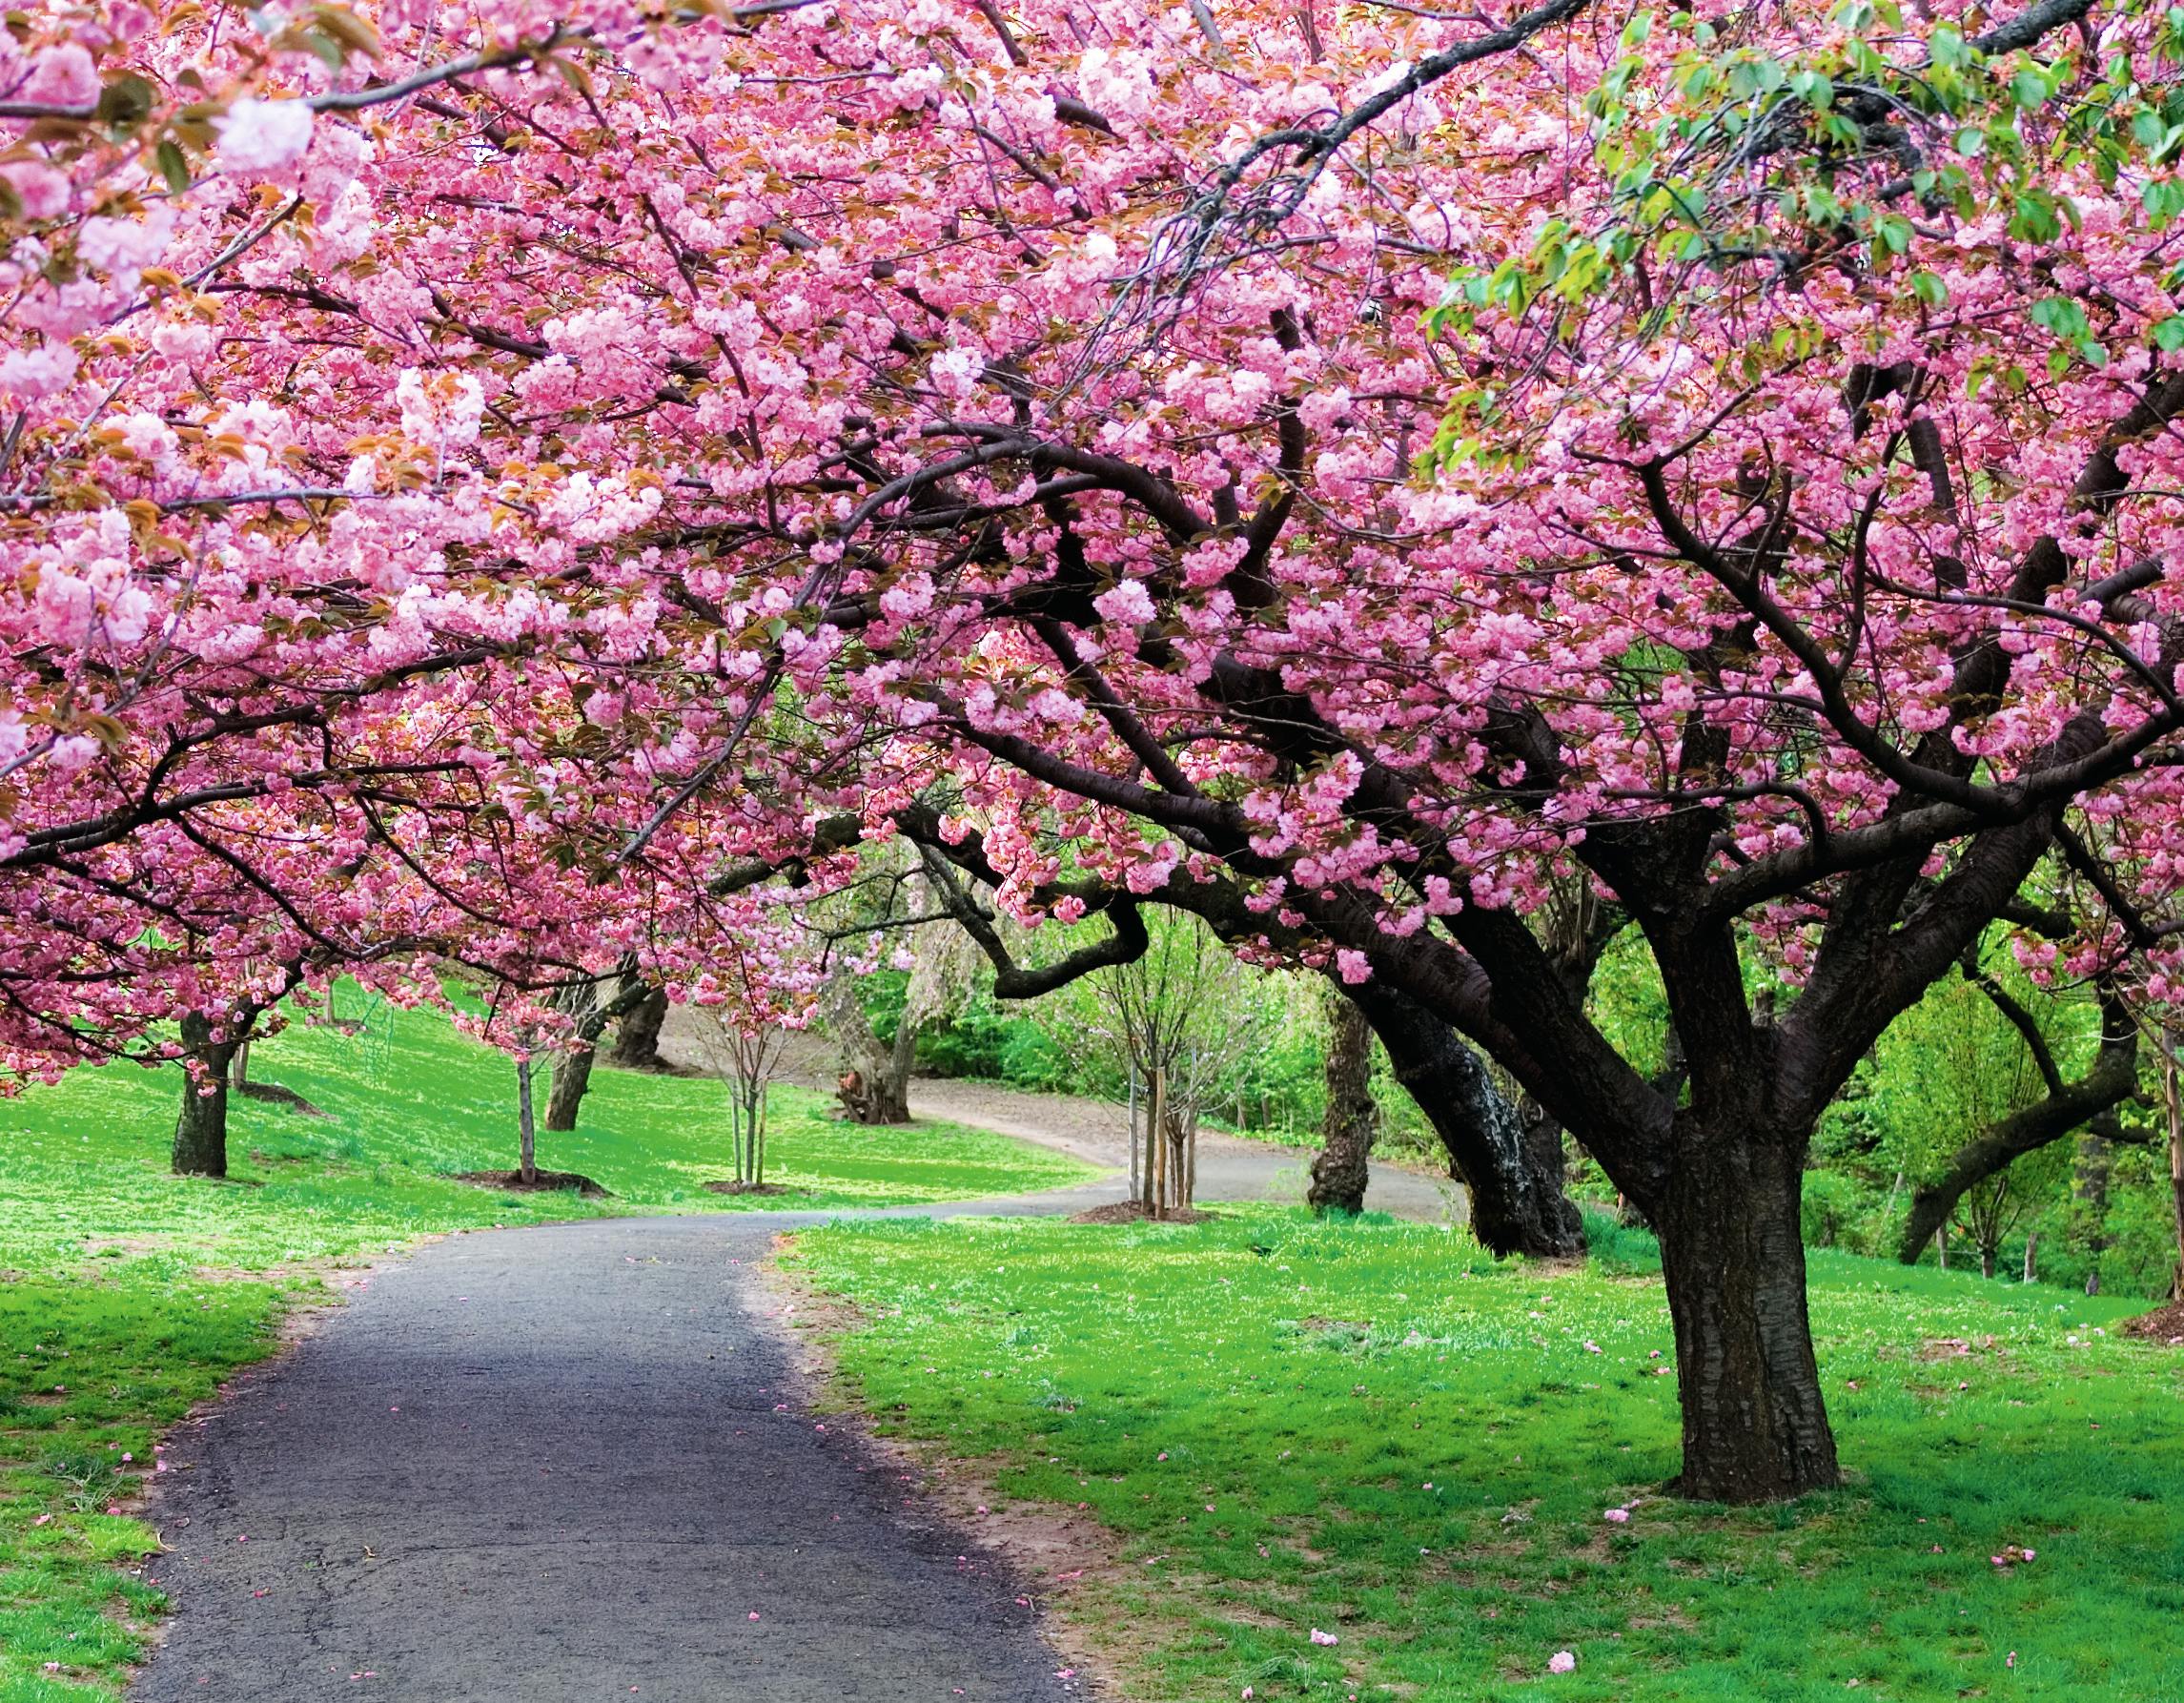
[(556, 1465), (1098, 1132), (569, 1464)]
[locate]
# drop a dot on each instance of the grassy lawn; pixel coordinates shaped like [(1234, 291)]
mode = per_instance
[(1373, 1431), (127, 1294)]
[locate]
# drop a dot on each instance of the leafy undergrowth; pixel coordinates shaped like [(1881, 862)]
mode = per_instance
[(1375, 1430), (127, 1294)]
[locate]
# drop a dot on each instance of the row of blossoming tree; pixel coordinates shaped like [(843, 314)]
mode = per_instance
[(531, 486)]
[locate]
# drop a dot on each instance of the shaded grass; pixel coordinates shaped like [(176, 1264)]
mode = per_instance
[(1375, 1429), (127, 1294)]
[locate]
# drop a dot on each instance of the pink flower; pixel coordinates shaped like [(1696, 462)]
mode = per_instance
[(1561, 1662), (1617, 1516), (1128, 603), (264, 135), (1320, 1637)]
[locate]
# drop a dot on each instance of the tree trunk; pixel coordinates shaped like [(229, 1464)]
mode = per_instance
[(875, 1086), (637, 1042), (1156, 1161), (2173, 1109), (2031, 1267), (2113, 1079), (1755, 1426), (1987, 1252), (1515, 1194), (201, 1130), (2095, 1163), (1341, 1171), (527, 1138), (572, 1076)]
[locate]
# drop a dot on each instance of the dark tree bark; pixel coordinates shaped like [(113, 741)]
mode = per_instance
[(1755, 1425), (572, 1076), (637, 1041), (596, 1004), (2069, 1106), (875, 1086), (2095, 1164), (201, 1131), (1515, 1191), (1341, 1171)]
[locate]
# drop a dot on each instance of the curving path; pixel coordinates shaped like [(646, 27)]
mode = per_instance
[(1098, 1132), (570, 1464), (556, 1465)]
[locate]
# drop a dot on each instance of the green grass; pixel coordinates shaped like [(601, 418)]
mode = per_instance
[(1375, 1429), (127, 1294)]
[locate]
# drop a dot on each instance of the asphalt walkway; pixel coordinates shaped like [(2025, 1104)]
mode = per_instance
[(569, 1463), (565, 1465)]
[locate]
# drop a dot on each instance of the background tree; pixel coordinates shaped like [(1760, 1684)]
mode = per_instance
[(636, 1036), (591, 1005), (1175, 1019), (1341, 1169), (1983, 1097)]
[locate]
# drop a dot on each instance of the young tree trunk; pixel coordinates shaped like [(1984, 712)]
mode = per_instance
[(1340, 1170), (1987, 1253), (2096, 1163), (201, 1130), (526, 1137), (637, 1042), (572, 1076), (1156, 1158), (1515, 1194), (1755, 1426), (2032, 1269), (2173, 1108)]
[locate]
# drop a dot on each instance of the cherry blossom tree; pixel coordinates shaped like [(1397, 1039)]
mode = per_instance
[(514, 487)]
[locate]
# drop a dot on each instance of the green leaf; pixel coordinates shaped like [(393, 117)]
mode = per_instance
[(1930, 289), (173, 164), (126, 102), (2060, 315), (1816, 89), (2169, 335)]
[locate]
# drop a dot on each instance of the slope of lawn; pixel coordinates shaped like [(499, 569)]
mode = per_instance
[(1374, 1431), (127, 1294)]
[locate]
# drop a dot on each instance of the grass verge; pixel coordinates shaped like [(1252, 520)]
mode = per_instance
[(1375, 1430), (128, 1293)]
